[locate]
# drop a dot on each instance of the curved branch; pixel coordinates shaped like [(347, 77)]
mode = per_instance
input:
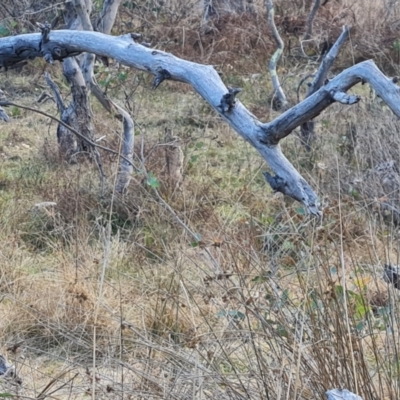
[(265, 137), (282, 101)]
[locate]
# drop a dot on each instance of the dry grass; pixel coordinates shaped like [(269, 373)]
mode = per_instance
[(113, 298)]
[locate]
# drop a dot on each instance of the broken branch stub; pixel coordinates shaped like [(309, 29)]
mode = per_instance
[(162, 75), (205, 80), (228, 100)]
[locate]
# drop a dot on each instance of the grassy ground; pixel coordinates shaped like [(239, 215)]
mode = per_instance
[(214, 287)]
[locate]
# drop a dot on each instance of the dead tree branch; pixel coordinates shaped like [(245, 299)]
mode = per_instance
[(310, 20), (281, 101), (205, 80), (107, 16), (342, 394), (307, 128), (6, 103), (104, 25)]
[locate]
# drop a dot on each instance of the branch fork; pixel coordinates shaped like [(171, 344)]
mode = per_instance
[(205, 80)]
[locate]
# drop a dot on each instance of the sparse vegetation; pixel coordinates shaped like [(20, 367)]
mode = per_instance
[(112, 297)]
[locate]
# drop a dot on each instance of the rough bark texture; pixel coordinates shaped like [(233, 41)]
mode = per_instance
[(205, 80), (80, 76), (79, 110), (78, 114)]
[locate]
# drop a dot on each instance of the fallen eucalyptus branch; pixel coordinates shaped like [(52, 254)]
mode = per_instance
[(205, 80)]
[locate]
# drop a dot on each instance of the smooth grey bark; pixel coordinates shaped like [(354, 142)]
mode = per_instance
[(280, 101), (205, 80), (106, 20), (342, 394), (83, 9)]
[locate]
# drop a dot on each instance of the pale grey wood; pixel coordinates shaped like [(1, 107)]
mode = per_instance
[(344, 98), (128, 141), (107, 16), (278, 91), (83, 9), (205, 80), (342, 394)]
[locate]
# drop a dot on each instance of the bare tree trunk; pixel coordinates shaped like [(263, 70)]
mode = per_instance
[(80, 76), (106, 20), (78, 114), (308, 128)]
